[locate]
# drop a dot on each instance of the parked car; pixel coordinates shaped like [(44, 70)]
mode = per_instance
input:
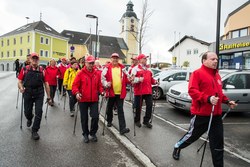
[(167, 79), (155, 71), (236, 86)]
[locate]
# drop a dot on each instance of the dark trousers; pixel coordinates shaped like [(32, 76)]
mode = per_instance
[(72, 100), (138, 105), (198, 126), (52, 91), (109, 110), (30, 97), (60, 87), (93, 106)]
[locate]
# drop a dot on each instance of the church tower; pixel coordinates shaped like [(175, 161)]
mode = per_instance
[(129, 31)]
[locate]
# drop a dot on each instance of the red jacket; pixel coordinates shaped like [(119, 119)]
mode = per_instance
[(88, 84), (62, 69), (52, 73), (107, 77), (203, 83), (144, 87)]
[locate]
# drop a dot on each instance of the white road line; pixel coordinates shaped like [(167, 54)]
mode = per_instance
[(179, 127)]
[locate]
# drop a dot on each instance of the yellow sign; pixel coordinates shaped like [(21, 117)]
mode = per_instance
[(174, 60), (234, 45)]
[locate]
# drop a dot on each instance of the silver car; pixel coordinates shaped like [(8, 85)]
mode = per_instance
[(167, 79), (236, 86)]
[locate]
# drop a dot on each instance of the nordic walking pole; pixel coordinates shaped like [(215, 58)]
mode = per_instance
[(208, 129), (46, 110), (157, 88), (77, 108), (105, 115), (21, 126), (64, 102), (133, 108), (229, 109), (17, 98)]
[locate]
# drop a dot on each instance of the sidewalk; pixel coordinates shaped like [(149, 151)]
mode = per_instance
[(156, 144)]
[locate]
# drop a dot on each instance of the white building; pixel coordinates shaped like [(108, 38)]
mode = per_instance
[(188, 49)]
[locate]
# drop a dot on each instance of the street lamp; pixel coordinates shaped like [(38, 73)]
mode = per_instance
[(96, 29), (98, 41), (217, 43), (27, 19)]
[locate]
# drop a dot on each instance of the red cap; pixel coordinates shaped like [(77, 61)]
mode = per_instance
[(89, 59), (64, 59), (141, 56), (134, 58), (115, 55), (34, 55)]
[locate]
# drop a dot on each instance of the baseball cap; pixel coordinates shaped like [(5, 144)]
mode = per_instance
[(115, 55), (141, 56), (134, 58), (89, 59), (64, 59), (34, 55)]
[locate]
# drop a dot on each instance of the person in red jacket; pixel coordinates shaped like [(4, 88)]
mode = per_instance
[(205, 89), (114, 79), (87, 86), (52, 73), (62, 68), (143, 80)]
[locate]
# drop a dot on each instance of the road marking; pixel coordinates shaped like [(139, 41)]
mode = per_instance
[(181, 128)]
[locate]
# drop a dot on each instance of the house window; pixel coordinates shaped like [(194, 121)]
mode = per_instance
[(46, 53), (21, 52), (132, 20), (8, 54), (28, 38), (239, 33), (41, 40), (14, 53), (1, 54), (21, 40), (243, 32), (47, 41), (122, 28), (8, 42), (132, 28), (189, 52), (14, 41), (28, 51), (2, 43), (196, 51), (41, 52)]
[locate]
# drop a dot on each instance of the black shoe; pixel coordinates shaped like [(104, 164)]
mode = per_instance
[(148, 125), (72, 114), (176, 153), (138, 124), (109, 124), (35, 136), (94, 138), (29, 122), (125, 130), (86, 138)]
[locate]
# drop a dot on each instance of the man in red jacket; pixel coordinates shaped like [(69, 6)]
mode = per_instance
[(114, 80), (143, 79), (205, 89), (62, 68), (87, 87)]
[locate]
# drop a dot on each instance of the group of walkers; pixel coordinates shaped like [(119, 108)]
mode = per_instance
[(87, 83)]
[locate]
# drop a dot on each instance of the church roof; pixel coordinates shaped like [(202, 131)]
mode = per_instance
[(130, 11)]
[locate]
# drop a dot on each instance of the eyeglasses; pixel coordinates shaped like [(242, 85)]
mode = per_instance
[(35, 58), (91, 63)]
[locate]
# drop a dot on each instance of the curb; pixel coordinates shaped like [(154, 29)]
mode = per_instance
[(129, 145)]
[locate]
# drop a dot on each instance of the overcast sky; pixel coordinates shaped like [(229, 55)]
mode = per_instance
[(189, 17)]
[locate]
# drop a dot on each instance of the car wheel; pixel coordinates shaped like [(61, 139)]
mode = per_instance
[(156, 93)]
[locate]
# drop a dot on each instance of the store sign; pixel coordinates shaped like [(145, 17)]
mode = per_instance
[(174, 60), (234, 45)]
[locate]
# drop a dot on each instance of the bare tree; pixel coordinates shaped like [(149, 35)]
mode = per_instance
[(143, 25)]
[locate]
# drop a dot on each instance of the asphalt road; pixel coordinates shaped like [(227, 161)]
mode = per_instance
[(57, 147)]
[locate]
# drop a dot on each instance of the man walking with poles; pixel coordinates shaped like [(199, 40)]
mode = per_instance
[(87, 87), (30, 82), (205, 89), (115, 80), (143, 79)]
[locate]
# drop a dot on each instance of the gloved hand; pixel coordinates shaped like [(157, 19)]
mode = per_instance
[(214, 100), (49, 101), (78, 96), (102, 94)]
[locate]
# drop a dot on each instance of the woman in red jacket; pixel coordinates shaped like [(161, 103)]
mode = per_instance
[(87, 87), (52, 73)]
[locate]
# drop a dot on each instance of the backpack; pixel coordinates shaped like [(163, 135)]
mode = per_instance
[(33, 78)]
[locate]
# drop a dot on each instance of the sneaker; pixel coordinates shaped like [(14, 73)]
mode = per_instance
[(93, 138), (125, 130), (176, 153), (72, 114), (148, 125), (138, 124), (109, 124), (29, 122), (35, 136), (64, 94), (86, 138), (115, 112)]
